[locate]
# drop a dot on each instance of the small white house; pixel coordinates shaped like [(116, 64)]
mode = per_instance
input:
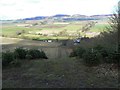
[(49, 40)]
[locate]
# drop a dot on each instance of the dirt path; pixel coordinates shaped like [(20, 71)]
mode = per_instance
[(58, 52)]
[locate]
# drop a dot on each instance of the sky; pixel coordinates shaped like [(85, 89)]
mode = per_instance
[(16, 9)]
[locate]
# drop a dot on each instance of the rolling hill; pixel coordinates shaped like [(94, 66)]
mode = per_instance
[(75, 17)]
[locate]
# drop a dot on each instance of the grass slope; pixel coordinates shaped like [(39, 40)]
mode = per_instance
[(63, 72)]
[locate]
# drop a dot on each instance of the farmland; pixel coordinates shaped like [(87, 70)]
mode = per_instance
[(69, 30)]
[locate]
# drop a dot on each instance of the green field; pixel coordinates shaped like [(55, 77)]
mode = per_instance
[(99, 28), (70, 29)]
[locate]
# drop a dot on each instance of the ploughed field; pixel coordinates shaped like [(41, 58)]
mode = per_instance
[(52, 49)]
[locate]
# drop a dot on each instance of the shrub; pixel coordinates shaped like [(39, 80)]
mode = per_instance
[(28, 56), (73, 54), (37, 39), (35, 54), (104, 53), (101, 50), (113, 58), (4, 35), (98, 47), (43, 55), (12, 58), (7, 57), (20, 53), (91, 58), (108, 55), (18, 32), (78, 52)]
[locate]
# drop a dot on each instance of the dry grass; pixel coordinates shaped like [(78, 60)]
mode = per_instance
[(59, 73)]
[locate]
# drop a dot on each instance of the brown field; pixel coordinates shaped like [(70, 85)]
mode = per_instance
[(53, 49)]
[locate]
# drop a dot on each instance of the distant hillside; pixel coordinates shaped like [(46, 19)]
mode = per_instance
[(35, 18), (79, 16), (64, 17), (101, 16), (61, 15)]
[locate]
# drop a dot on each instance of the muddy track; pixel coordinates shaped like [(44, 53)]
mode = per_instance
[(57, 52)]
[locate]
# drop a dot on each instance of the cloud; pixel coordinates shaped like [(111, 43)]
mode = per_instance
[(29, 8), (33, 1)]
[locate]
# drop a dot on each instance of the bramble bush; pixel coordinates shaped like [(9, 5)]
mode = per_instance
[(96, 55), (78, 52), (91, 58), (101, 50), (7, 57), (43, 55), (113, 57), (28, 57), (35, 54), (20, 53), (108, 56), (13, 58), (73, 53)]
